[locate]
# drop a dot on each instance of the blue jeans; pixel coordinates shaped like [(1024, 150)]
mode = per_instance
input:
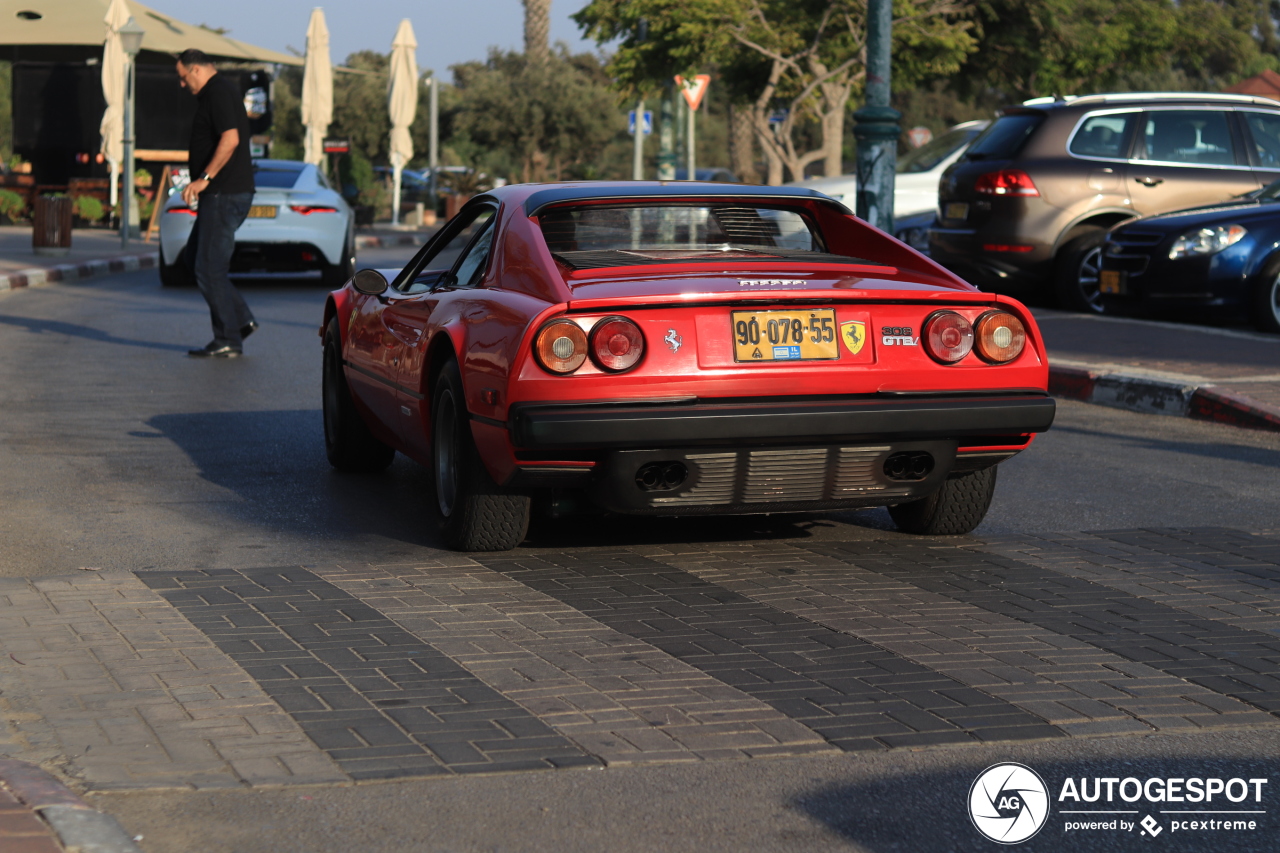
[(208, 254)]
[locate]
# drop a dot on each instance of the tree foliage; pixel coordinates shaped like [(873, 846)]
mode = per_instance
[(794, 61), (546, 119)]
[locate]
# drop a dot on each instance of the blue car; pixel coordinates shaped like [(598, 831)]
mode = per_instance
[(1221, 260)]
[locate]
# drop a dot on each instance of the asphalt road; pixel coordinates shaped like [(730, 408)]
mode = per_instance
[(117, 452)]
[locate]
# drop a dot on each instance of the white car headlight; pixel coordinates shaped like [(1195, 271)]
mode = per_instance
[(1206, 241)]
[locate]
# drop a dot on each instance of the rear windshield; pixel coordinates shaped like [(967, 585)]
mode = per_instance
[(1005, 137), (276, 179), (930, 154), (626, 235)]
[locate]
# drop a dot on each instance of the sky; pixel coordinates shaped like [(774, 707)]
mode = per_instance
[(448, 31)]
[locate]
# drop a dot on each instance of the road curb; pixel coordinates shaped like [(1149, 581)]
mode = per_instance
[(1152, 395), (79, 826), (38, 276), (374, 241)]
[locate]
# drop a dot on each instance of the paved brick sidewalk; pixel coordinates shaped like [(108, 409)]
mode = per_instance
[(541, 659), (1226, 375)]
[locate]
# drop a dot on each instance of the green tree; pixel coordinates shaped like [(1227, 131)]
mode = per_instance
[(6, 111), (360, 105), (796, 62), (540, 120)]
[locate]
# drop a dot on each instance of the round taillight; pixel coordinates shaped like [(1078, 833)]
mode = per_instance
[(948, 337), (561, 346), (616, 344), (999, 337)]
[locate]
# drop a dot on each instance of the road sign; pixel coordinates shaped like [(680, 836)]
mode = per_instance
[(336, 146), (918, 136), (693, 90), (647, 126)]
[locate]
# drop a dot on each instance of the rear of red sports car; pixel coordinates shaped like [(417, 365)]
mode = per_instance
[(750, 350)]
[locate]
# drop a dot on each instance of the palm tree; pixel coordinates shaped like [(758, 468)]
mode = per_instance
[(537, 29)]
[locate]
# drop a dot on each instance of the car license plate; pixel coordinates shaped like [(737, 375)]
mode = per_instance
[(1113, 282), (262, 211), (808, 335), (956, 210)]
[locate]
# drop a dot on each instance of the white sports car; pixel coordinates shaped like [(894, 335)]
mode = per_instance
[(298, 223)]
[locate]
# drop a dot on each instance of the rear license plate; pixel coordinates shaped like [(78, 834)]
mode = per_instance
[(808, 335), (1113, 282), (956, 210), (262, 211)]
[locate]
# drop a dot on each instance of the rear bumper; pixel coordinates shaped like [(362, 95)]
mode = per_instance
[(778, 421)]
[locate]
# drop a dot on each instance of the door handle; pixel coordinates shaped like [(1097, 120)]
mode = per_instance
[(1149, 182)]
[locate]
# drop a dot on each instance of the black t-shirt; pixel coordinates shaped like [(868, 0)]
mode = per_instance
[(219, 108)]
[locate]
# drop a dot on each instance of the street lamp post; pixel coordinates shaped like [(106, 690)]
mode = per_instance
[(877, 123), (131, 40)]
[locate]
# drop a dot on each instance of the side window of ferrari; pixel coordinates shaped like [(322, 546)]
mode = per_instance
[(471, 269), (423, 271)]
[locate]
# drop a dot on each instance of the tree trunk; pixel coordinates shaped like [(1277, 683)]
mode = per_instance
[(835, 100), (742, 147), (537, 29)]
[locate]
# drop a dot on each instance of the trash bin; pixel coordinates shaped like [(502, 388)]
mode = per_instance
[(52, 232)]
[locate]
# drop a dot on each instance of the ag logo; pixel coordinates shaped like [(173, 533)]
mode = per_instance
[(1008, 803), (854, 335)]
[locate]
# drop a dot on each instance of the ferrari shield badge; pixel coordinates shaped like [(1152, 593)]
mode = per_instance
[(854, 335)]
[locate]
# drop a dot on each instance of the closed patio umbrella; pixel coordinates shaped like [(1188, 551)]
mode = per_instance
[(402, 103), (317, 88), (113, 62)]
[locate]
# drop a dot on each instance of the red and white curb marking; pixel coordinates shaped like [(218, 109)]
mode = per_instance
[(75, 272), (77, 824), (1160, 393)]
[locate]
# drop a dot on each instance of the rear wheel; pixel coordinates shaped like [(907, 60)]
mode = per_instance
[(475, 513), (175, 274), (348, 442), (336, 275), (1076, 274), (1266, 300), (958, 507)]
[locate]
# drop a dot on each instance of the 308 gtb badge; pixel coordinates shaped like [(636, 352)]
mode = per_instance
[(898, 336)]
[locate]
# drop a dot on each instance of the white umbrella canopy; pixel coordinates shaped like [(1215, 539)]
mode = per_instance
[(317, 88), (113, 62), (402, 104)]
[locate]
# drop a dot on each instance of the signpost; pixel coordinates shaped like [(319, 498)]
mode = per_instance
[(877, 128), (693, 90)]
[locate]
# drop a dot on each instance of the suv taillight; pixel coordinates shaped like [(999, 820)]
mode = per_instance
[(1006, 182)]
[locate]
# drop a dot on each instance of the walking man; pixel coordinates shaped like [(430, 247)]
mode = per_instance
[(221, 190)]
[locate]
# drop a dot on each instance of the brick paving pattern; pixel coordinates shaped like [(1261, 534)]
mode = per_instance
[(856, 695), (378, 700), (544, 659)]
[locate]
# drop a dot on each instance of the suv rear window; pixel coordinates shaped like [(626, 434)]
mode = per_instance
[(1004, 137), (599, 236)]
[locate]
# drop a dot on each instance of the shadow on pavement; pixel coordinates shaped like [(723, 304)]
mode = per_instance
[(1209, 450), (75, 330), (275, 461), (929, 811)]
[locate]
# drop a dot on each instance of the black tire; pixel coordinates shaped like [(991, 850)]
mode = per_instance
[(348, 443), (958, 507), (175, 274), (475, 513), (1076, 273), (333, 277), (1265, 310)]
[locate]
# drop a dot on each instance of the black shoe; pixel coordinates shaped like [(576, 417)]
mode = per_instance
[(215, 350), (248, 329)]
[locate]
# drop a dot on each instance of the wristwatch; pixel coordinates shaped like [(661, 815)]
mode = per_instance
[(206, 177)]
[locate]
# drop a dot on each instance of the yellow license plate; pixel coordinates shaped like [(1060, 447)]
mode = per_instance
[(1111, 281), (808, 335), (262, 211), (956, 210)]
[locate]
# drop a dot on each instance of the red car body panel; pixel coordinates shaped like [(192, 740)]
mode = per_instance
[(393, 343)]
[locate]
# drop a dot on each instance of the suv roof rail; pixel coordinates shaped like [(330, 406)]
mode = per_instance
[(1108, 97)]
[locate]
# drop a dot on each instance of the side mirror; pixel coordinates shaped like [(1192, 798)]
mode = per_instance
[(371, 282)]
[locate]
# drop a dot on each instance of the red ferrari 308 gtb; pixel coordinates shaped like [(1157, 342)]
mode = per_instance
[(679, 349)]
